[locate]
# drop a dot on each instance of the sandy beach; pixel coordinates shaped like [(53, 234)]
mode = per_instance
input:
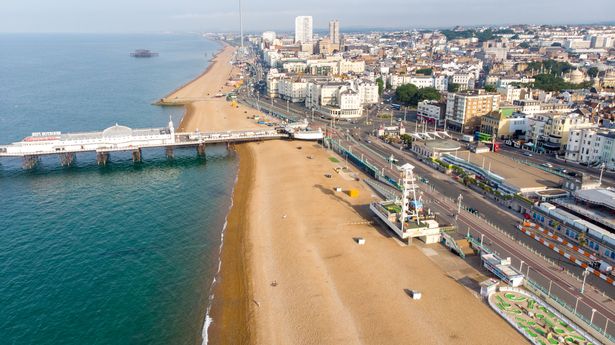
[(291, 272)]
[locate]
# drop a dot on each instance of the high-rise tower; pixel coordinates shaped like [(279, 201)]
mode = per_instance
[(303, 29), (334, 31)]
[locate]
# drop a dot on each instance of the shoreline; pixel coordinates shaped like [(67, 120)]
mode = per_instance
[(164, 102), (226, 316), (229, 314), (289, 267)]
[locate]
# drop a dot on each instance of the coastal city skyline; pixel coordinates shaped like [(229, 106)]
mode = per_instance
[(193, 16), (265, 172)]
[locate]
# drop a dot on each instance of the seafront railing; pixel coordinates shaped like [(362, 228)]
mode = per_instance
[(540, 284)]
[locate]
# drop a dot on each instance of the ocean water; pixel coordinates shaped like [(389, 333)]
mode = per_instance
[(123, 254)]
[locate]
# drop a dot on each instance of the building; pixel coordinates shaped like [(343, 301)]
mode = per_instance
[(269, 36), (551, 130), (432, 112), (511, 93), (340, 99), (292, 90), (465, 81), (532, 107), (273, 79), (439, 82), (303, 29), (464, 110), (504, 123), (591, 146), (334, 32)]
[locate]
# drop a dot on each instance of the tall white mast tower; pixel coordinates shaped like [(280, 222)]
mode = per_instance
[(241, 26)]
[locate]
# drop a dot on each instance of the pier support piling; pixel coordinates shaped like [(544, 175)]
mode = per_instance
[(169, 152), (30, 162), (136, 156), (67, 159), (200, 150), (102, 158)]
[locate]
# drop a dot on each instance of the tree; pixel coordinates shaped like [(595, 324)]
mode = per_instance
[(555, 67), (412, 95), (550, 82), (453, 87), (407, 139), (490, 88), (592, 72), (524, 45), (406, 93), (427, 93), (380, 83), (424, 71)]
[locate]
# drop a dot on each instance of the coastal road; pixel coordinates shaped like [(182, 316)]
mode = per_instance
[(608, 178), (496, 214), (502, 243)]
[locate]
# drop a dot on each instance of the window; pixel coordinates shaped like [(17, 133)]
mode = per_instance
[(594, 245)]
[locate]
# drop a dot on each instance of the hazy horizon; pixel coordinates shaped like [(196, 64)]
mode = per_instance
[(141, 16)]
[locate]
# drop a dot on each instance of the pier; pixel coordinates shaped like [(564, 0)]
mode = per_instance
[(119, 138)]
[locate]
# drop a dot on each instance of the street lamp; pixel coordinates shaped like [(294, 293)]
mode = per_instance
[(591, 320), (585, 274), (521, 265), (602, 166), (459, 199)]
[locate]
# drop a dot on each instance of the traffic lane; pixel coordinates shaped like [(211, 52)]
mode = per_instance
[(446, 185), (511, 229), (498, 242), (608, 176), (504, 220)]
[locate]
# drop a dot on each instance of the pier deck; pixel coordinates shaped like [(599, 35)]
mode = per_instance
[(121, 138)]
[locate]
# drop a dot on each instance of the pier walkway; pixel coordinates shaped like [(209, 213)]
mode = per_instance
[(121, 138)]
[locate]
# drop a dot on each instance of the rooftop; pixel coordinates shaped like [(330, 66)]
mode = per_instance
[(602, 197), (521, 177)]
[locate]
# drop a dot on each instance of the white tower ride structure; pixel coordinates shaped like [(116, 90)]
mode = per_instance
[(408, 193)]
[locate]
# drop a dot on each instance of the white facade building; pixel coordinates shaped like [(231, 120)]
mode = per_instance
[(269, 36), (511, 93), (292, 90), (431, 112), (552, 130), (439, 82), (303, 29), (465, 81), (343, 100), (591, 145)]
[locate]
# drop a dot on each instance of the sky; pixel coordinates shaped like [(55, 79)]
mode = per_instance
[(152, 16)]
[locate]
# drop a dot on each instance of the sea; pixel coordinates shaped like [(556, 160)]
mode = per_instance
[(122, 254)]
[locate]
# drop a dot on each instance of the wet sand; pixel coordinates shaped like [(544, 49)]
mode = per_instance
[(205, 112), (291, 272), (230, 309)]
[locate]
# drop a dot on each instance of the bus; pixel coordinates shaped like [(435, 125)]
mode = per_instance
[(495, 148)]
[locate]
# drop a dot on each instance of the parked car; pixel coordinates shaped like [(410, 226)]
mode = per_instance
[(527, 154), (547, 165)]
